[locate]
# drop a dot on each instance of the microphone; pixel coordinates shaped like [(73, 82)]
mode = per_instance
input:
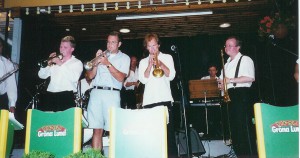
[(173, 48), (272, 38)]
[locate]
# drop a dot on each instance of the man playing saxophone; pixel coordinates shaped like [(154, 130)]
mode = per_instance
[(64, 74), (8, 86), (108, 73), (239, 71)]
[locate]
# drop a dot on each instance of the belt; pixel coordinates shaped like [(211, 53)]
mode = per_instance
[(106, 88)]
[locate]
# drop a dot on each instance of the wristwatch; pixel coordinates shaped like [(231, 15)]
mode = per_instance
[(109, 65), (231, 80)]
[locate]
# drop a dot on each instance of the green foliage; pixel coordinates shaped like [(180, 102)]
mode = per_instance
[(38, 154), (90, 153)]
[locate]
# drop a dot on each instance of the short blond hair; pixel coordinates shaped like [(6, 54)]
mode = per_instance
[(70, 39)]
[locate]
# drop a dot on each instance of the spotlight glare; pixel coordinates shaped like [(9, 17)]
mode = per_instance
[(94, 7), (59, 9), (128, 5), (27, 11), (124, 30), (225, 25), (82, 8), (49, 10), (116, 6), (187, 2), (105, 6), (71, 8), (37, 10)]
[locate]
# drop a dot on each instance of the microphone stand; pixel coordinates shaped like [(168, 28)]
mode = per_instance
[(282, 48), (206, 114), (183, 101), (35, 98)]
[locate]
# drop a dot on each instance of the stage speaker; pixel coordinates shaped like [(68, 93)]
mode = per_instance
[(196, 143)]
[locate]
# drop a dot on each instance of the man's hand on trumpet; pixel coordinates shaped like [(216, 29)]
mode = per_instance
[(101, 58), (220, 83), (54, 59)]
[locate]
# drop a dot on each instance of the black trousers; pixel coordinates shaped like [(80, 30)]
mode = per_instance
[(172, 148), (240, 111), (59, 101), (4, 101), (130, 99)]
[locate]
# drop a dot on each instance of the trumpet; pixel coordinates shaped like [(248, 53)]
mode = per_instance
[(226, 95), (157, 72), (88, 65), (45, 63)]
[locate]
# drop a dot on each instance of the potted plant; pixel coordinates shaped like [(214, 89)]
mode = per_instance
[(278, 25)]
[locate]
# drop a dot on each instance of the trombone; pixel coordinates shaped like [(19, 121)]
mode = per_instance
[(88, 65), (226, 95)]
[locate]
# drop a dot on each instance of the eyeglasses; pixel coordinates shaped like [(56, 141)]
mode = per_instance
[(112, 42), (229, 46)]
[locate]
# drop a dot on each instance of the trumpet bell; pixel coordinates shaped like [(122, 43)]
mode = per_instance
[(43, 63), (158, 72), (88, 65), (226, 98)]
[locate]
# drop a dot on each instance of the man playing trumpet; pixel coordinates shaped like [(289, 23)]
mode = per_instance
[(156, 71), (64, 74), (108, 74), (240, 74)]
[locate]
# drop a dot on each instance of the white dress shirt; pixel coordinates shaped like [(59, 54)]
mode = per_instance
[(103, 78), (64, 77), (133, 77), (9, 85), (246, 69), (157, 89)]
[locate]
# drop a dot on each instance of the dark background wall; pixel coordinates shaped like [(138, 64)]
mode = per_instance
[(274, 63)]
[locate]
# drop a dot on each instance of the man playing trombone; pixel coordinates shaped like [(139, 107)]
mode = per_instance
[(8, 85), (238, 77), (108, 72), (64, 71)]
